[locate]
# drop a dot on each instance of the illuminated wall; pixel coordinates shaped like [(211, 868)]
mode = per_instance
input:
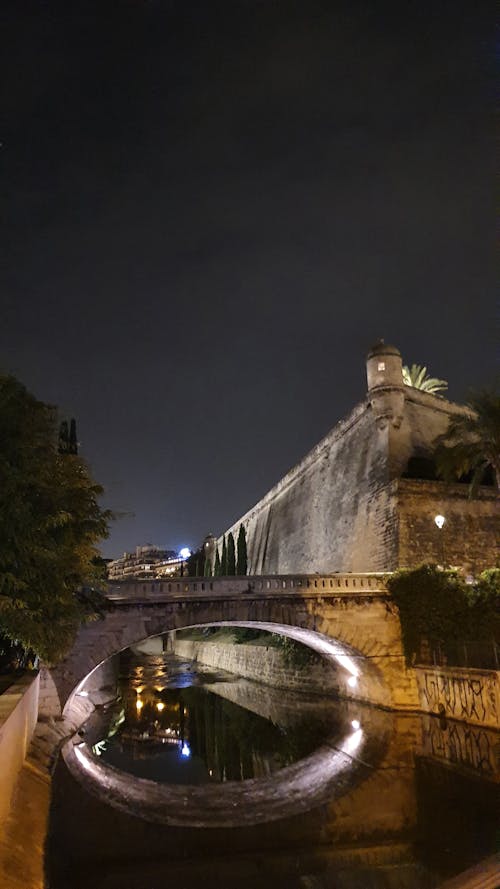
[(345, 507)]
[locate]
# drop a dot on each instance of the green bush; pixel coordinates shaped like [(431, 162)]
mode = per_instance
[(441, 608)]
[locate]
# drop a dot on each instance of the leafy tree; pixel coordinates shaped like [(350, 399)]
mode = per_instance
[(241, 561), (223, 561), (471, 443), (50, 524), (217, 564), (231, 555), (417, 376)]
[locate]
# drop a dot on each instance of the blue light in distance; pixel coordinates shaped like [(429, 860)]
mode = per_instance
[(184, 553), (185, 749)]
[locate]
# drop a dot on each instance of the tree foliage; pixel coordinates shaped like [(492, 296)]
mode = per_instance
[(441, 608), (241, 546), (417, 377), (223, 559), (50, 524), (471, 443), (231, 555), (196, 563), (217, 564)]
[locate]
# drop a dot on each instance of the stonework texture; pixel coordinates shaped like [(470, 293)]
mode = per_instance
[(469, 695), (348, 507)]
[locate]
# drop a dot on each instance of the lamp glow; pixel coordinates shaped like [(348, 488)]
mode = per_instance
[(160, 706), (185, 750), (352, 681), (139, 704), (355, 724), (184, 553), (439, 520)]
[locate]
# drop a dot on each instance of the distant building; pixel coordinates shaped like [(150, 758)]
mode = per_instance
[(146, 562)]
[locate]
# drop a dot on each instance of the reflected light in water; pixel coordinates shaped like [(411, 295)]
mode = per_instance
[(352, 742)]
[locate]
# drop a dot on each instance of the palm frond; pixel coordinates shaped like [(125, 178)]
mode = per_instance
[(472, 441), (417, 377)]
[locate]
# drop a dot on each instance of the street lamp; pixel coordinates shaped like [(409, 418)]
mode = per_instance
[(439, 521)]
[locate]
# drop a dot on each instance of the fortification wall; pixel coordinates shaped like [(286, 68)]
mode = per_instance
[(345, 508), (329, 511)]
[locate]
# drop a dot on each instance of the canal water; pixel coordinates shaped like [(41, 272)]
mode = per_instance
[(191, 778)]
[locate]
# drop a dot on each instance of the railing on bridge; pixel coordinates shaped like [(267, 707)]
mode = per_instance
[(275, 585), (480, 655)]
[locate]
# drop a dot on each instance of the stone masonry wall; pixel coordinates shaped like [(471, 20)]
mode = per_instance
[(344, 507), (325, 515), (261, 663), (469, 537), (469, 695)]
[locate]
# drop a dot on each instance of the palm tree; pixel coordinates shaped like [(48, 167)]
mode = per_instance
[(471, 443), (417, 376)]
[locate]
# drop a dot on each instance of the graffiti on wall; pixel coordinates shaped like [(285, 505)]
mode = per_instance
[(460, 744), (469, 695)]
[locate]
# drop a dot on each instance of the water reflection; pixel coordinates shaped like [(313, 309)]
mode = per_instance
[(408, 801), (174, 724)]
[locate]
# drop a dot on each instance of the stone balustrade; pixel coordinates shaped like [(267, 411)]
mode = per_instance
[(372, 584)]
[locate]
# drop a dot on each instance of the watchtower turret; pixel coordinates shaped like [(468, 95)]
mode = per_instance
[(384, 370)]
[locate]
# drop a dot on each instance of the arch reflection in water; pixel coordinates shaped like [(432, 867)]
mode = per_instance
[(195, 729)]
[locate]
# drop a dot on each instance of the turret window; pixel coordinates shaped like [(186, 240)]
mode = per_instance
[(381, 365)]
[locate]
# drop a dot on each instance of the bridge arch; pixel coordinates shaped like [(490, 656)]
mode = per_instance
[(358, 630)]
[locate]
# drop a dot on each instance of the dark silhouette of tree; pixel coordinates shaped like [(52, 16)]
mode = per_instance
[(223, 560), (50, 525), (207, 571), (217, 564), (231, 555), (73, 442), (241, 561), (195, 563), (471, 443), (63, 443)]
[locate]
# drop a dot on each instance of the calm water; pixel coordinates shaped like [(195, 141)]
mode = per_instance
[(178, 724), (417, 803)]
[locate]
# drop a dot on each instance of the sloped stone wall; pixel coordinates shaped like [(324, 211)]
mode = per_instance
[(345, 507)]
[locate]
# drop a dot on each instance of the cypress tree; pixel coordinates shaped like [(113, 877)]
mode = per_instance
[(241, 562), (72, 442), (217, 564), (207, 571), (223, 561), (63, 444), (231, 556)]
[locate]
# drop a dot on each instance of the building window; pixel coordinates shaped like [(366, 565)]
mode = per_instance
[(381, 365)]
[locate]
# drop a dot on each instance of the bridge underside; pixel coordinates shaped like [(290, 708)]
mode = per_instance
[(360, 637)]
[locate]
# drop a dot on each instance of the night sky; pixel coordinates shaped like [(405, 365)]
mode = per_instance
[(210, 210)]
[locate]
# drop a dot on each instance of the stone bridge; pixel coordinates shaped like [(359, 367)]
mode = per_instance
[(348, 618)]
